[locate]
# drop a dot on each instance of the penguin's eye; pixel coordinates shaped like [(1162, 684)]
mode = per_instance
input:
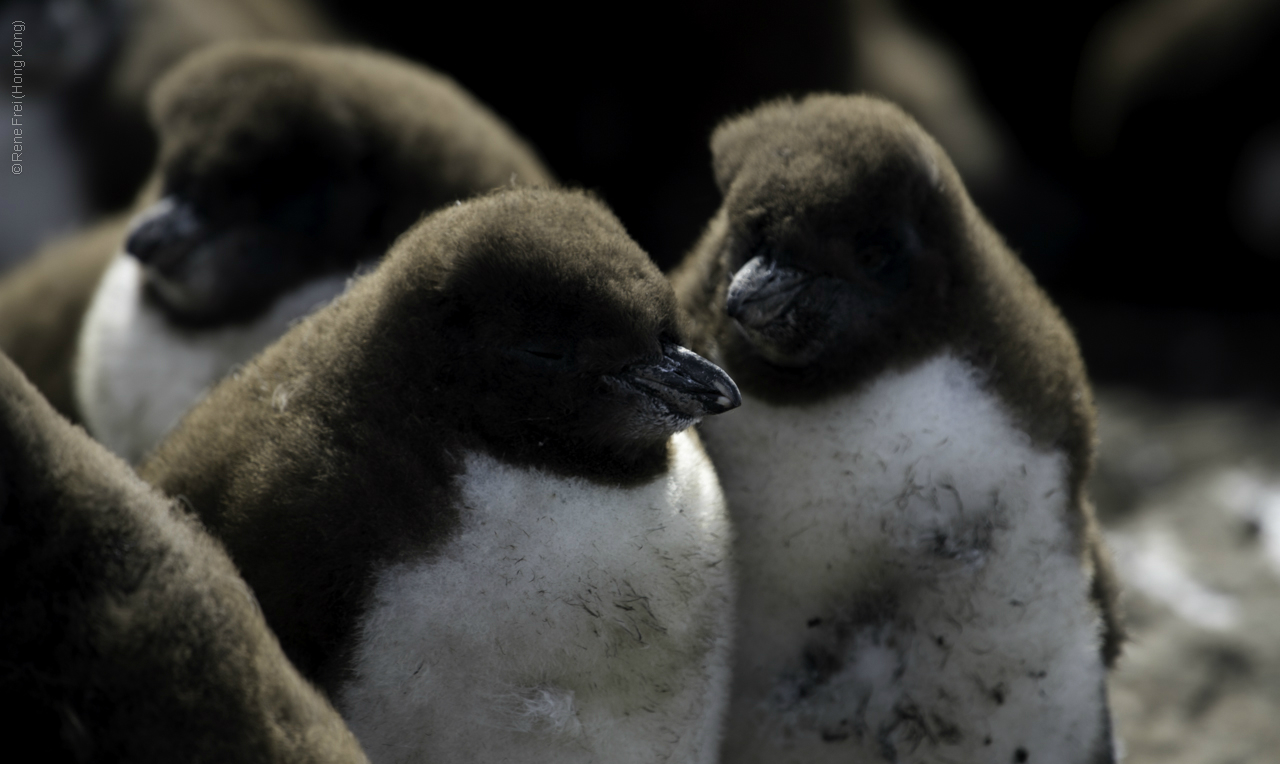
[(873, 259), (301, 212), (545, 352), (883, 256), (875, 251)]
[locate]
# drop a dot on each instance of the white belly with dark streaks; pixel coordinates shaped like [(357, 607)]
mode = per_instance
[(137, 374), (909, 589), (564, 622)]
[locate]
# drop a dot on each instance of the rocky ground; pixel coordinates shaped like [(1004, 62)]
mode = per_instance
[(1190, 498)]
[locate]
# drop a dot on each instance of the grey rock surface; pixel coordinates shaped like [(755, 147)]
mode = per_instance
[(1190, 498)]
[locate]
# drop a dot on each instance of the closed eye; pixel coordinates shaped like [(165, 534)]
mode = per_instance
[(545, 352)]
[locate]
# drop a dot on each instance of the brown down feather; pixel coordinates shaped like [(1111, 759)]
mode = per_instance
[(126, 633)]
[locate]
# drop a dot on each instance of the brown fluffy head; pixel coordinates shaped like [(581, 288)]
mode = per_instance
[(125, 632), (539, 310), (839, 232), (846, 245), (280, 161)]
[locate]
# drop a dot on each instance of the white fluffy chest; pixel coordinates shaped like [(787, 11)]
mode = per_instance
[(564, 622), (137, 374), (909, 589)]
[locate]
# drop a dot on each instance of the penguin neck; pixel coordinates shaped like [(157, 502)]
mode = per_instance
[(137, 373), (818, 381), (636, 466)]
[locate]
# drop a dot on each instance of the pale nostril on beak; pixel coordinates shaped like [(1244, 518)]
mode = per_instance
[(163, 231)]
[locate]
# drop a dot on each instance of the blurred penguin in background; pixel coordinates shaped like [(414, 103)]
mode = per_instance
[(468, 498), (88, 67), (1148, 48), (283, 169), (126, 633), (921, 577), (1212, 62)]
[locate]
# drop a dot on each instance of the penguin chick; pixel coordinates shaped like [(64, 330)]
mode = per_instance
[(282, 169), (921, 577), (467, 498), (125, 632), (92, 63)]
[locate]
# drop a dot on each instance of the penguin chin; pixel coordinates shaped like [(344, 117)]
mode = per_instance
[(192, 295), (646, 433), (229, 277), (648, 420), (781, 343), (659, 424), (782, 310)]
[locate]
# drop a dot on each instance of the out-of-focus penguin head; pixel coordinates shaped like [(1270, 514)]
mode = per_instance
[(841, 229), (563, 334), (265, 180), (283, 162)]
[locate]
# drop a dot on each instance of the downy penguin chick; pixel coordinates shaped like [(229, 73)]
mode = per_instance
[(468, 499), (921, 578), (125, 632), (282, 169)]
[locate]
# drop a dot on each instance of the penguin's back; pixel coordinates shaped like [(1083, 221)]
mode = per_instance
[(911, 586), (577, 621)]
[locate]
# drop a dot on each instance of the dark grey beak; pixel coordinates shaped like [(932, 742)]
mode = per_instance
[(180, 257), (762, 290), (163, 234), (685, 382)]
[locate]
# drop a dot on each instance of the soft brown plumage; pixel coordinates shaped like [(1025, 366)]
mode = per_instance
[(126, 633)]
